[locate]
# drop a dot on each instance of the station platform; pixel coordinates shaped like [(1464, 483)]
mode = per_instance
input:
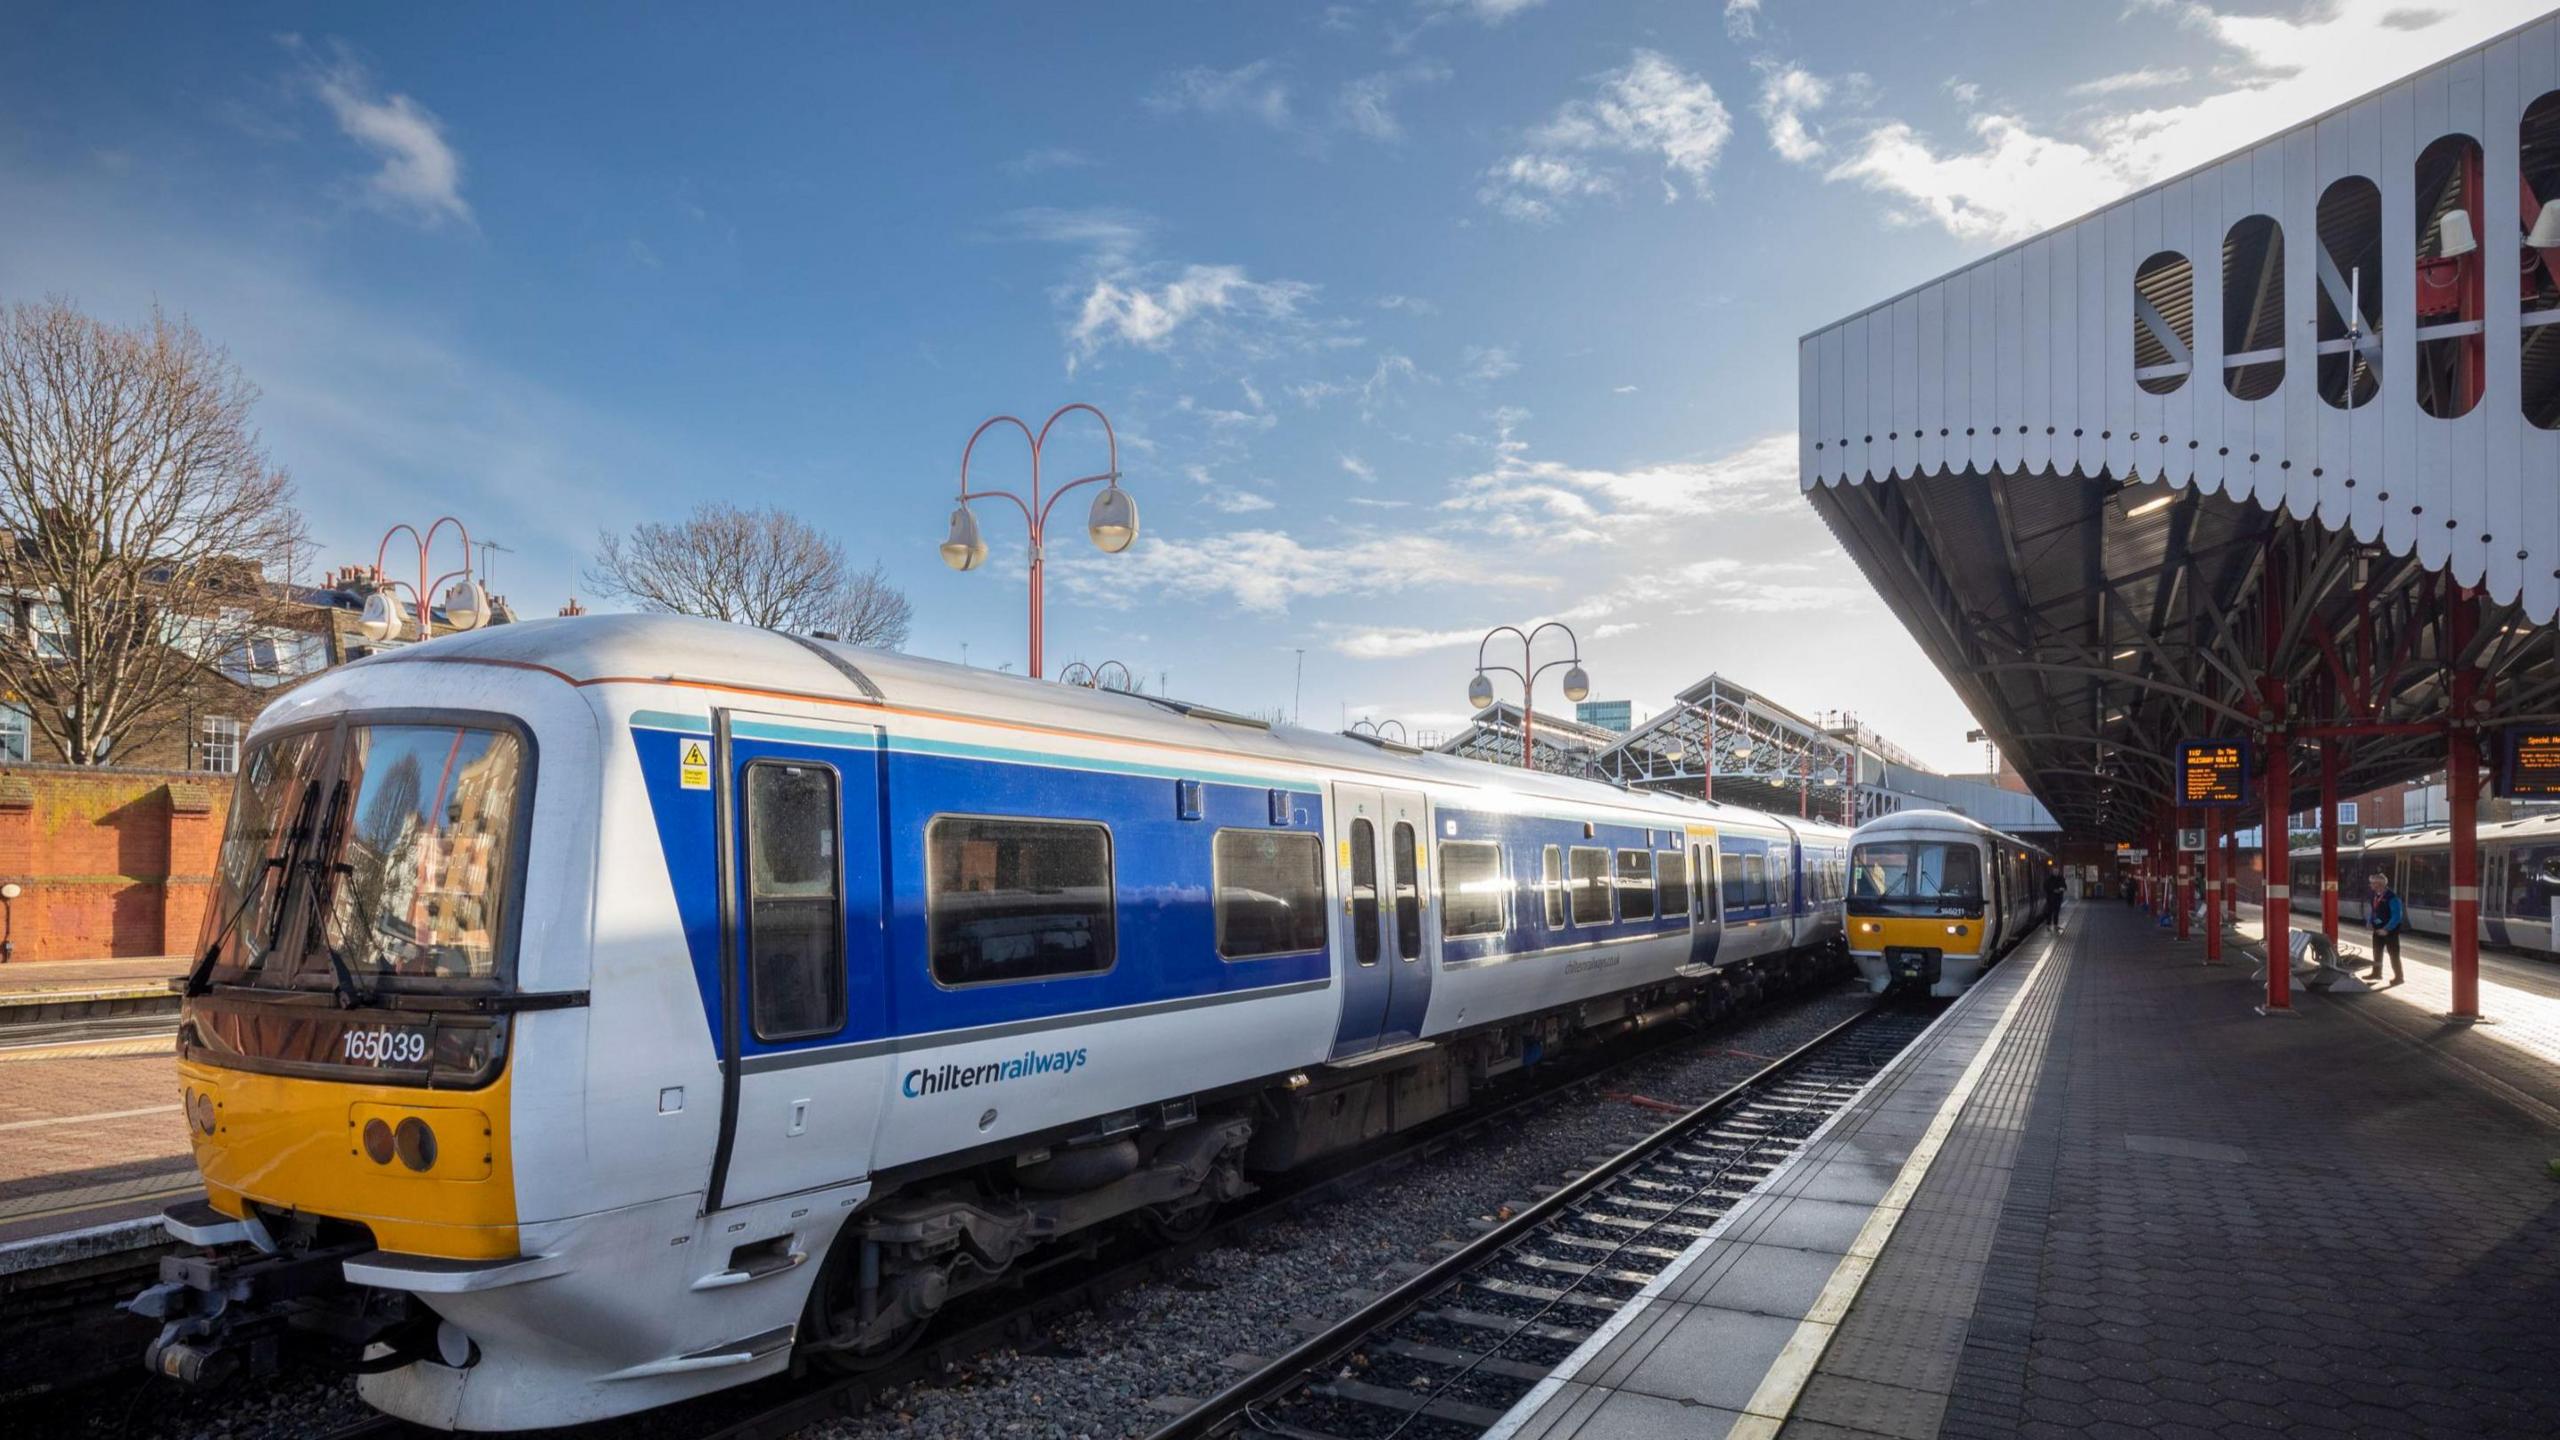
[(2104, 1197), (91, 1140), (42, 991)]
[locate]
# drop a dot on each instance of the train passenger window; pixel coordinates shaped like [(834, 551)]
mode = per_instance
[(1270, 893), (795, 903), (1635, 885), (1755, 880), (1698, 855), (1017, 899), (1551, 883), (1364, 892), (1590, 885), (2533, 880), (1471, 888), (2428, 885), (1671, 875), (1408, 894)]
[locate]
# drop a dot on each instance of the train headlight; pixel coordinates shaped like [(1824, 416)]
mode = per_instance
[(1955, 929), (415, 1143), (1870, 927), (377, 1141), (200, 1110)]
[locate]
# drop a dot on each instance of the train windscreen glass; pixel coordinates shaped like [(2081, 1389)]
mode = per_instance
[(1915, 877)]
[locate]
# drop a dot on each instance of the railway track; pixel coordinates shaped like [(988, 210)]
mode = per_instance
[(1447, 1352), (1084, 1277)]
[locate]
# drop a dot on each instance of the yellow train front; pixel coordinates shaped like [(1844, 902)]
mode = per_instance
[(1936, 898)]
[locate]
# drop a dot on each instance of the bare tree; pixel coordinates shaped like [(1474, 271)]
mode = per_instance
[(141, 522), (765, 567)]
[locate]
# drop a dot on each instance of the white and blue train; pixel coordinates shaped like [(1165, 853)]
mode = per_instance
[(599, 1012)]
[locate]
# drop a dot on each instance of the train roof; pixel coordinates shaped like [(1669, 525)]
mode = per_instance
[(2530, 827), (711, 654), (1923, 822)]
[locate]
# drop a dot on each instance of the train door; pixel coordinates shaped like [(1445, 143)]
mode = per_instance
[(803, 949), (1706, 916), (1382, 867)]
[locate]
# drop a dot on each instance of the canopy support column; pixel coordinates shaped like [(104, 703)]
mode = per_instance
[(2213, 887), (2184, 896), (2328, 841), (2275, 909), (2462, 801)]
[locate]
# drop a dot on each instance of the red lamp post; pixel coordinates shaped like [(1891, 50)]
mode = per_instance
[(1113, 524), (1577, 684), (469, 607)]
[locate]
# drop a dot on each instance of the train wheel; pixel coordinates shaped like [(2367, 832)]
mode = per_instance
[(1176, 1223), (835, 1308)]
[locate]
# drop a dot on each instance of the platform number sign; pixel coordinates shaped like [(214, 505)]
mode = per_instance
[(2529, 764), (2213, 772)]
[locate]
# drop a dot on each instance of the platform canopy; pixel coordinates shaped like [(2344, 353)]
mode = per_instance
[(2272, 448)]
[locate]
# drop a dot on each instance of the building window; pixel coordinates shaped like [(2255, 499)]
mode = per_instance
[(795, 960), (2350, 221), (2253, 308), (2452, 248), (1471, 888), (2164, 322), (1635, 884), (17, 734), (1270, 889), (218, 746), (48, 631), (1014, 899), (2538, 157), (1590, 885)]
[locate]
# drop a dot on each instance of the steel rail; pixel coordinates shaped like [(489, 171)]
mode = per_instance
[(1320, 1352)]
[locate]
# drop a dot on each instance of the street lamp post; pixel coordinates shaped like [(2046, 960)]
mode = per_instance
[(1577, 684), (1112, 525), (466, 604)]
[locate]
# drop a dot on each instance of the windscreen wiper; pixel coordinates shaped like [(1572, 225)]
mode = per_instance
[(281, 860), (326, 868)]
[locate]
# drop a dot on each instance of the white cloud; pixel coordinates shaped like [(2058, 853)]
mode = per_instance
[(1248, 90), (1409, 304), (1111, 234), (1523, 497), (1049, 157), (2278, 71), (1741, 18), (1240, 502), (2153, 77), (1266, 570), (1127, 311), (1651, 109), (1487, 363), (1789, 93), (1490, 12), (1365, 106), (1397, 642), (1360, 469), (1622, 390), (421, 175)]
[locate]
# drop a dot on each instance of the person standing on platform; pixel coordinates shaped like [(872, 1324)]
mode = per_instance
[(2385, 916), (2053, 896)]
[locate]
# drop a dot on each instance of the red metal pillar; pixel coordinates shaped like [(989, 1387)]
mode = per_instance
[(2186, 875), (2462, 799), (2228, 837), (2329, 840), (2213, 868), (2275, 904)]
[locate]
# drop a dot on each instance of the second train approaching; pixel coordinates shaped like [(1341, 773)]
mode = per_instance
[(599, 1012)]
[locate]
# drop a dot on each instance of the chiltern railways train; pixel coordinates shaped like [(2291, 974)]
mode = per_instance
[(1935, 898), (2519, 880), (599, 1012)]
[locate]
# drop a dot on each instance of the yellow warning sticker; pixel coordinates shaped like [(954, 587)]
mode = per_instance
[(693, 763)]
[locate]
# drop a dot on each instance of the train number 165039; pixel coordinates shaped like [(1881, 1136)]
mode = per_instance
[(382, 1046)]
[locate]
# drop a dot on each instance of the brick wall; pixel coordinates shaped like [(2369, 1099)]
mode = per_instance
[(112, 862)]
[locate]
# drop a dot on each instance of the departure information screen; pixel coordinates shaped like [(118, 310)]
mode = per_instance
[(2531, 767), (2213, 772)]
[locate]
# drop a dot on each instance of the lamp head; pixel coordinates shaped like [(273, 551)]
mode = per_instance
[(383, 618), (466, 605), (2545, 234), (1114, 523), (2454, 235), (964, 548), (1577, 684), (1480, 690)]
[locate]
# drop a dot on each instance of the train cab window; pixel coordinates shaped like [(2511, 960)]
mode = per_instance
[(1270, 893), (1590, 885), (1551, 884), (795, 901), (1671, 880), (1017, 899), (1635, 885), (1364, 892), (1472, 887), (1408, 893)]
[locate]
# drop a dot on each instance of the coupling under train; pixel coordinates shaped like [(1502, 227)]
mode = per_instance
[(1936, 898), (600, 1012)]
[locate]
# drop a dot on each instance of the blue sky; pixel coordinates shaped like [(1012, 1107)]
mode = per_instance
[(1414, 317)]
